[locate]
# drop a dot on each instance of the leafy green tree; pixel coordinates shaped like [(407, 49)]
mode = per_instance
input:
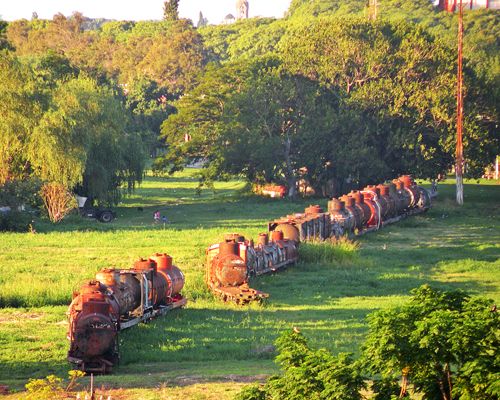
[(150, 106), (174, 60), (442, 342), (4, 44), (171, 10), (400, 81), (65, 129), (247, 38), (308, 374), (83, 139), (19, 115), (247, 118)]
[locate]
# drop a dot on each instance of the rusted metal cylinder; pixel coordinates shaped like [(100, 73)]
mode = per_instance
[(411, 189), (391, 205), (381, 200), (290, 232), (277, 236), (360, 203), (163, 261), (371, 200), (313, 209), (339, 215), (108, 276), (229, 270), (168, 283), (92, 320), (424, 201), (230, 247), (403, 193), (399, 201), (262, 239), (407, 180), (335, 205), (127, 293), (350, 206), (228, 237), (142, 264)]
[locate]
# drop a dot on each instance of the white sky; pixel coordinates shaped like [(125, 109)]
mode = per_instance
[(214, 10)]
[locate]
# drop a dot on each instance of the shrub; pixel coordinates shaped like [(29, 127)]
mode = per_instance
[(444, 343), (15, 221), (308, 374)]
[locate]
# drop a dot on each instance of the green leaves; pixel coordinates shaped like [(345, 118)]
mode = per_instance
[(445, 341), (64, 128), (308, 374)]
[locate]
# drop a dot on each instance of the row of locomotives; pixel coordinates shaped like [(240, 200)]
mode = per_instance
[(115, 300), (232, 262), (357, 212)]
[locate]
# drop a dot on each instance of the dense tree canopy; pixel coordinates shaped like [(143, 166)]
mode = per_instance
[(364, 100), (322, 95), (64, 128), (251, 118)]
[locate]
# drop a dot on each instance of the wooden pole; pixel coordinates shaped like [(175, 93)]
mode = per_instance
[(459, 159)]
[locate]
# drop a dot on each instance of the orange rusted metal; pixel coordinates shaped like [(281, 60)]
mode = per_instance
[(116, 300)]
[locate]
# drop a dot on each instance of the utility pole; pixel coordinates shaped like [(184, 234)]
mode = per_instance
[(459, 157)]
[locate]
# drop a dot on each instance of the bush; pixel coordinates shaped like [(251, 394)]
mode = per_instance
[(15, 221), (445, 344), (308, 374), (21, 193)]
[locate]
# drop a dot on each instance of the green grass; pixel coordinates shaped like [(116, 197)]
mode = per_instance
[(328, 294)]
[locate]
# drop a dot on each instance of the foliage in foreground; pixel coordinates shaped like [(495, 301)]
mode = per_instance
[(52, 387), (445, 344), (308, 374)]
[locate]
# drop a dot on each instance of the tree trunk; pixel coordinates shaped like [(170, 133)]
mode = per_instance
[(290, 177)]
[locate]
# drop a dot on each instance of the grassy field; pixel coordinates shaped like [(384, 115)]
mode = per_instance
[(214, 347)]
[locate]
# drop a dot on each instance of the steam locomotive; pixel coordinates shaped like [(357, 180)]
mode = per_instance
[(356, 213), (231, 263), (116, 300)]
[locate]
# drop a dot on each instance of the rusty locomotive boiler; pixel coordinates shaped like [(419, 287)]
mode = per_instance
[(231, 263), (356, 213), (115, 300)]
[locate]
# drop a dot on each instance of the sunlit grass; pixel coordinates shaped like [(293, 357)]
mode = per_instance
[(327, 294)]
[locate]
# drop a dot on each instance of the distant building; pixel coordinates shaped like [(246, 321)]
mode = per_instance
[(452, 5), (242, 9), (229, 19)]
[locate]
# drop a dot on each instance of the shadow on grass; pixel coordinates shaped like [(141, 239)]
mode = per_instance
[(230, 212)]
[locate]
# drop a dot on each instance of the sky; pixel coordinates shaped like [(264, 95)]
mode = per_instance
[(214, 10)]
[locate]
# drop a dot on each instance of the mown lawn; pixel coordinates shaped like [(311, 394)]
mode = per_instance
[(210, 346)]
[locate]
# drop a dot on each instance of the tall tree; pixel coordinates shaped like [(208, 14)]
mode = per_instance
[(171, 10), (444, 343), (20, 110), (250, 118), (3, 40), (401, 81), (63, 129)]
